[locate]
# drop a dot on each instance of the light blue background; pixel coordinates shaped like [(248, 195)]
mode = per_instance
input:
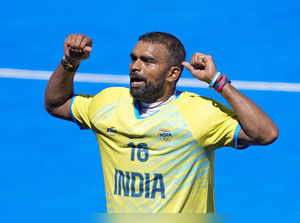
[(51, 170)]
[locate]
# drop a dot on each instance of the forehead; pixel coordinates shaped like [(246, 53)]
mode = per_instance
[(156, 50)]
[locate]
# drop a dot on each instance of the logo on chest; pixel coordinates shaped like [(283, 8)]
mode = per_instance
[(165, 134)]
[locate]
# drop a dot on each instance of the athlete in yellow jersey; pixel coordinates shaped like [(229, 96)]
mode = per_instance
[(157, 144)]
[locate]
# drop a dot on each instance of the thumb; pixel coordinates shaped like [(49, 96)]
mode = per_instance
[(188, 66), (87, 49)]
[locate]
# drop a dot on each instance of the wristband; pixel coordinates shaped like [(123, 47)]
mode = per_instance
[(221, 82), (212, 83), (68, 66)]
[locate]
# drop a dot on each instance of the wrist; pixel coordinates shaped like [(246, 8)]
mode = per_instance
[(214, 79), (69, 64), (219, 81), (70, 60)]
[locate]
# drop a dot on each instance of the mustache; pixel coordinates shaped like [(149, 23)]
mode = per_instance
[(136, 76)]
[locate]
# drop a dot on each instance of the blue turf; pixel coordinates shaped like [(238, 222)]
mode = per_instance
[(51, 170)]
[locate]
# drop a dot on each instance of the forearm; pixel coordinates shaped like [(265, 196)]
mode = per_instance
[(257, 127), (59, 88), (254, 122)]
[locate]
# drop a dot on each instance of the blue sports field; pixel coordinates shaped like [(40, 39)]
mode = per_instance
[(50, 170)]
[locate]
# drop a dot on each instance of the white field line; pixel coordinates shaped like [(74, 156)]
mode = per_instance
[(124, 79)]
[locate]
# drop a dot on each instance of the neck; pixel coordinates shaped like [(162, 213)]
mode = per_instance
[(146, 109), (158, 102), (168, 93)]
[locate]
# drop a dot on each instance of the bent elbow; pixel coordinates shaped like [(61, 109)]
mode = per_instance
[(59, 111), (51, 109), (48, 108), (271, 137)]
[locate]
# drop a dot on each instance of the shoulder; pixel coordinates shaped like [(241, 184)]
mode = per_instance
[(195, 102), (110, 96), (112, 93), (193, 98)]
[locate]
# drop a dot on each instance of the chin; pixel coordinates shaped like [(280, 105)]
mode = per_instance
[(146, 95), (136, 93)]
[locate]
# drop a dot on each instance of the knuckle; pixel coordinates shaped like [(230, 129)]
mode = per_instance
[(80, 38), (72, 35), (85, 41), (67, 40)]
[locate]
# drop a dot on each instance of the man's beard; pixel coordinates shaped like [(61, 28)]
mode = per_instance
[(150, 92)]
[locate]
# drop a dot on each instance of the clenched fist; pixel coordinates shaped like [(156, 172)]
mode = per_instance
[(77, 47), (202, 67)]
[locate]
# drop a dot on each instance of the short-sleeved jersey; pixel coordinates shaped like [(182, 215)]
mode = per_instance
[(162, 163)]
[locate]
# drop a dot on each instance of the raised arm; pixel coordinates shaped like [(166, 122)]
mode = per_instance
[(257, 127), (59, 91)]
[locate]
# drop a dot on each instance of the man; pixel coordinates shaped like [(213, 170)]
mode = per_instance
[(157, 144)]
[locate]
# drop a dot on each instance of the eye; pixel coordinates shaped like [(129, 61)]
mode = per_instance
[(148, 59), (133, 57)]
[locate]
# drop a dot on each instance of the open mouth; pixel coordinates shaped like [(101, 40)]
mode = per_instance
[(137, 81)]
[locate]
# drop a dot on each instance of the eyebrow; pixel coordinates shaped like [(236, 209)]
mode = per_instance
[(143, 58)]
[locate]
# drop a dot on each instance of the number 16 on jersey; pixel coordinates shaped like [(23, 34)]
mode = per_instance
[(139, 151)]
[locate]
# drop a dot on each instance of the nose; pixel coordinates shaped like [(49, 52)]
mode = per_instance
[(136, 65)]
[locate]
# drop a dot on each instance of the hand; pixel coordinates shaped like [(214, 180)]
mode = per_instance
[(77, 47), (202, 67)]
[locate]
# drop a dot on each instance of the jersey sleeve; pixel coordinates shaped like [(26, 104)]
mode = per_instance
[(80, 110), (223, 127)]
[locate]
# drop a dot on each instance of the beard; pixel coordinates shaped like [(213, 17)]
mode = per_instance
[(149, 92)]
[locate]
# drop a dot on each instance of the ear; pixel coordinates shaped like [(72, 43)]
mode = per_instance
[(173, 74)]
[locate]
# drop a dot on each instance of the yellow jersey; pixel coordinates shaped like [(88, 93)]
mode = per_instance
[(162, 163)]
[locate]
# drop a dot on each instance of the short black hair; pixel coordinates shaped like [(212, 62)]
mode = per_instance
[(174, 46)]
